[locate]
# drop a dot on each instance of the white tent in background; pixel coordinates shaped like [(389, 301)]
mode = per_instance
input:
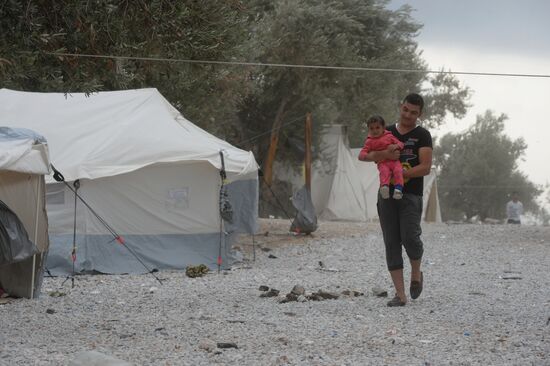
[(344, 188), (149, 173), (23, 221)]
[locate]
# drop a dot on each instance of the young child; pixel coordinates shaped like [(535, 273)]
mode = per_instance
[(379, 139)]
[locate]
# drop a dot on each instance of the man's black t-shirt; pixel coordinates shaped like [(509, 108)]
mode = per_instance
[(413, 140)]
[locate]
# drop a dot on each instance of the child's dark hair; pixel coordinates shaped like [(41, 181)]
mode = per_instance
[(376, 119)]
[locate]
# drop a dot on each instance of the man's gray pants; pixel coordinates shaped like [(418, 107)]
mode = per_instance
[(400, 223)]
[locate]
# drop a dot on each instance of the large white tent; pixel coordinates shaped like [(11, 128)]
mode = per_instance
[(149, 173), (344, 188), (23, 220)]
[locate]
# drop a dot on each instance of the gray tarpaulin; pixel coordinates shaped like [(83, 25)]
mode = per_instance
[(14, 241), (305, 221)]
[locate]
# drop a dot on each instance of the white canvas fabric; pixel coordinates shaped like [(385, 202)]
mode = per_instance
[(344, 188), (337, 190), (23, 151), (149, 173), (111, 133)]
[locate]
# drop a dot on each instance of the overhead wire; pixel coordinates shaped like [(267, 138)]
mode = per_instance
[(304, 66), (300, 66)]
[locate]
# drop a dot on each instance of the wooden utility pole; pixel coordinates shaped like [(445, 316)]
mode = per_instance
[(307, 159), (273, 141)]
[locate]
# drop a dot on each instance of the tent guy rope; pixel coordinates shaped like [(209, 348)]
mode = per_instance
[(59, 177)]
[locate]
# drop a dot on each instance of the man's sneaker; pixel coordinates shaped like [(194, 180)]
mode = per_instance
[(397, 194), (385, 192)]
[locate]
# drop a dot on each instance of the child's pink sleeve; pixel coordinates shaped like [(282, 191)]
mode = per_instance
[(365, 150)]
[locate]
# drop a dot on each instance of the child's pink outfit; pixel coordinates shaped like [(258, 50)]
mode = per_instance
[(386, 168)]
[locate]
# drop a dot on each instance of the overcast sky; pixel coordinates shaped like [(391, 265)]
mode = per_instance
[(506, 36)]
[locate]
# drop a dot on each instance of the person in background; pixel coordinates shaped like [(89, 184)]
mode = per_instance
[(400, 219), (514, 210)]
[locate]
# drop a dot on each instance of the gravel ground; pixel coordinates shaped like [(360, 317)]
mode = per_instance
[(470, 312)]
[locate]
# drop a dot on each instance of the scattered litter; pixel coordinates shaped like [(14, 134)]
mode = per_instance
[(283, 340), (288, 298), (263, 288), (329, 269), (467, 334), (57, 294), (227, 345), (272, 256), (196, 271), (511, 277), (379, 292), (271, 293), (352, 293), (476, 293), (323, 295), (50, 311)]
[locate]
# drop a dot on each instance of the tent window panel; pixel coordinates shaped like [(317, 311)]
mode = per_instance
[(55, 194), (177, 199)]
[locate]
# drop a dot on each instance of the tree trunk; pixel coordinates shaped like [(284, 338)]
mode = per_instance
[(274, 140)]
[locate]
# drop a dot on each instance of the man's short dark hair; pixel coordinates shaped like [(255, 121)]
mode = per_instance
[(415, 99)]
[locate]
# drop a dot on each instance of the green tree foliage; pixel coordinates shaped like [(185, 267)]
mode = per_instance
[(479, 169), (347, 33), (351, 33), (185, 29)]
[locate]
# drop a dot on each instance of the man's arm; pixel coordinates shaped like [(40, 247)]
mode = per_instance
[(425, 164), (391, 153)]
